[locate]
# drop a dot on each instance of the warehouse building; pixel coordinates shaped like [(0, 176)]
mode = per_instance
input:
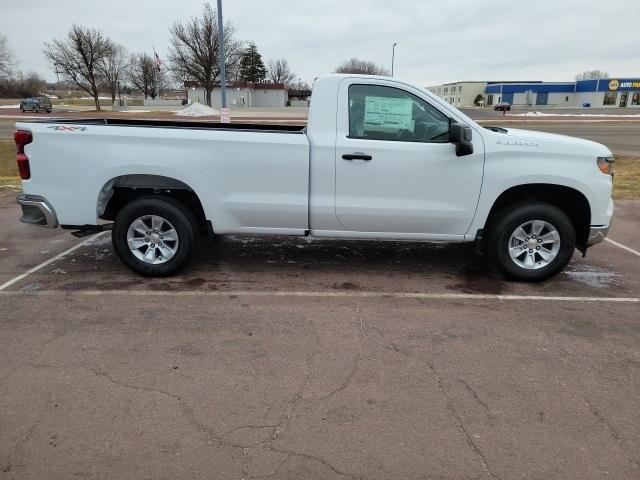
[(529, 94), (602, 93)]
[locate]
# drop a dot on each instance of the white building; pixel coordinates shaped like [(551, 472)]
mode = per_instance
[(459, 94), (242, 94)]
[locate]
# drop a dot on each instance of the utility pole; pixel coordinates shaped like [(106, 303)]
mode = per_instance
[(393, 56), (223, 83)]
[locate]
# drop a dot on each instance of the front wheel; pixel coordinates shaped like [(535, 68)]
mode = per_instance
[(531, 242), (155, 236)]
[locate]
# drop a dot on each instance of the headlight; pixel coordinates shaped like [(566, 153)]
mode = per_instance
[(605, 164)]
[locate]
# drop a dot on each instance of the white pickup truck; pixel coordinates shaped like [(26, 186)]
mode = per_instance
[(379, 159)]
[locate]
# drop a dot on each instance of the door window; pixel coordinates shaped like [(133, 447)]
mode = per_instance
[(386, 113)]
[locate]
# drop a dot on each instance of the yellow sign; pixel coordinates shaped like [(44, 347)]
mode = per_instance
[(614, 84)]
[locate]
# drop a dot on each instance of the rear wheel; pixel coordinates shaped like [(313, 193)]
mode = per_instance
[(531, 242), (155, 236)]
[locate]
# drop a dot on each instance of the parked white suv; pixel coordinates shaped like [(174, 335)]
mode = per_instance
[(379, 159)]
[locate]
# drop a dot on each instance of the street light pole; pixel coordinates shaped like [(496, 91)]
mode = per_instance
[(223, 83), (393, 56)]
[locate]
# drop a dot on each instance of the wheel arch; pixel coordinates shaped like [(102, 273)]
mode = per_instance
[(118, 191), (570, 200)]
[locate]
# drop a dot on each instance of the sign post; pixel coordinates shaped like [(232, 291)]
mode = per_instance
[(225, 115)]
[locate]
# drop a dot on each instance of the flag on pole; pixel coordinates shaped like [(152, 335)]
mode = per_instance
[(157, 59)]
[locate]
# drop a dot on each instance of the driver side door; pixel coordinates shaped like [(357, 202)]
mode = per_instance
[(396, 171)]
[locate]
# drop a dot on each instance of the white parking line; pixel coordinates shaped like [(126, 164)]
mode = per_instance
[(624, 247), (48, 262), (327, 294)]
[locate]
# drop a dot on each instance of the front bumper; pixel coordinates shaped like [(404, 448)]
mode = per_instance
[(597, 234), (37, 211)]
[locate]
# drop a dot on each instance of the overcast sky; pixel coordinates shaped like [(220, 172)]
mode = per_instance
[(438, 42)]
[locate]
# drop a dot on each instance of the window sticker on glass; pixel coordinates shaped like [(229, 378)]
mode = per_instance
[(388, 113)]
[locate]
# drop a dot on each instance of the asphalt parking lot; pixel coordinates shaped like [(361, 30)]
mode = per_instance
[(296, 359)]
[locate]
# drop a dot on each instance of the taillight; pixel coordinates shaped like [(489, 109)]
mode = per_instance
[(22, 138)]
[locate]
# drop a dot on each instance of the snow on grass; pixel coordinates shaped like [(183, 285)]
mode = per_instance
[(197, 110)]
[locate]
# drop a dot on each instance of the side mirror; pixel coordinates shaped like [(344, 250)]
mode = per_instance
[(460, 136)]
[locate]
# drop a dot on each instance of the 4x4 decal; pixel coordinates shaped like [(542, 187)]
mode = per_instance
[(66, 128)]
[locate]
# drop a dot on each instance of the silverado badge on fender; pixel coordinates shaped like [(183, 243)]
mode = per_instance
[(517, 143)]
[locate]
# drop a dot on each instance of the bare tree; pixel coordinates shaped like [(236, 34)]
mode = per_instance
[(355, 65), (592, 75), (6, 56), (145, 75), (22, 85), (279, 71), (193, 50), (78, 56), (112, 68)]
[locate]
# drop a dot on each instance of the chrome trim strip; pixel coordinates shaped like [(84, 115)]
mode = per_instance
[(51, 221)]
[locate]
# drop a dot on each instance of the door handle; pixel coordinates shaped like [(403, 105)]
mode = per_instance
[(356, 156)]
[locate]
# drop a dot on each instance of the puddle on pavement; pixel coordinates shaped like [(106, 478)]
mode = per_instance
[(592, 276)]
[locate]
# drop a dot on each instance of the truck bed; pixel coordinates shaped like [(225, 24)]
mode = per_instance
[(183, 124), (254, 177)]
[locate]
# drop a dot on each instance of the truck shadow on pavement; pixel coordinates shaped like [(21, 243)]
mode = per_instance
[(299, 264), (238, 263)]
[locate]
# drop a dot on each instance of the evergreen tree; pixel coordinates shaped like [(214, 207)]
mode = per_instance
[(252, 68)]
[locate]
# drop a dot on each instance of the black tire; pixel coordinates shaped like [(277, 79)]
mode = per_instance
[(180, 217), (504, 224)]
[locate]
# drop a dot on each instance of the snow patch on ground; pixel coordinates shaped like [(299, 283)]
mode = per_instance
[(135, 111), (197, 110), (601, 115), (9, 106)]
